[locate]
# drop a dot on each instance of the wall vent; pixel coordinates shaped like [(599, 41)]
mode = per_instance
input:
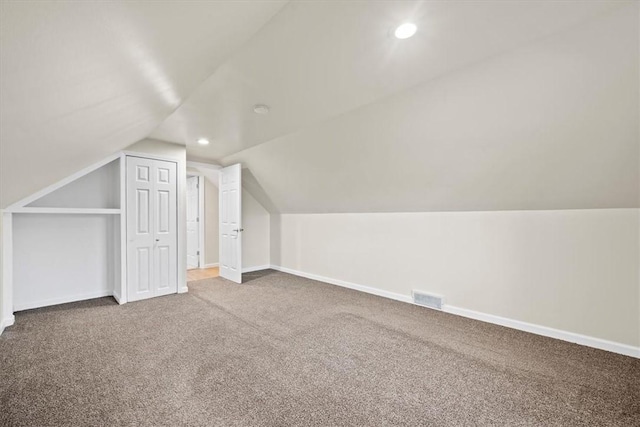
[(427, 300)]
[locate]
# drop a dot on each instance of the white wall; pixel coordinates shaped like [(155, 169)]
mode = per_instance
[(59, 258), (540, 145), (256, 235), (573, 270), (62, 258), (161, 148), (211, 224), (99, 189)]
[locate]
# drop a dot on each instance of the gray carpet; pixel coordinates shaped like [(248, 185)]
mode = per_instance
[(280, 351)]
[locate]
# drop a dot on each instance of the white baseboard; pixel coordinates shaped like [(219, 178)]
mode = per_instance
[(585, 340), (118, 299), (61, 300), (344, 284), (7, 321), (213, 264), (256, 268), (183, 290), (572, 337)]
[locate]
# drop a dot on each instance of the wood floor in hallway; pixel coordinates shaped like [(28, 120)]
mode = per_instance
[(202, 273)]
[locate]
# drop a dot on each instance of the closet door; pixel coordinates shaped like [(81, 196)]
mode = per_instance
[(151, 228), (165, 260)]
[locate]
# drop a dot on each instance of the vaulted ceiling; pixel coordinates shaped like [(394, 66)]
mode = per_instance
[(81, 80), (491, 105)]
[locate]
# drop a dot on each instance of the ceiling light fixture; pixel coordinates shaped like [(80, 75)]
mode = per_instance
[(406, 30), (260, 109), (203, 141)]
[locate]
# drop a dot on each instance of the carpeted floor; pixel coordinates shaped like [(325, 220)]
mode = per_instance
[(281, 350)]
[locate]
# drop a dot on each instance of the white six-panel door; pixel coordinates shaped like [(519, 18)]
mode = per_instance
[(231, 223), (152, 254)]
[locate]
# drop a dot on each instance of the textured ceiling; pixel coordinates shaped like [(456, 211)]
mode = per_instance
[(492, 105)]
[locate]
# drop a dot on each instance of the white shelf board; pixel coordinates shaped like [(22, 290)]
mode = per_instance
[(85, 211)]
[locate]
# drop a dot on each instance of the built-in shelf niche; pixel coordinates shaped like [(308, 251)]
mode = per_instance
[(66, 243), (64, 258), (96, 192)]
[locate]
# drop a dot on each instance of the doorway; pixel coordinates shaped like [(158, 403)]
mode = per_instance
[(194, 214), (202, 209)]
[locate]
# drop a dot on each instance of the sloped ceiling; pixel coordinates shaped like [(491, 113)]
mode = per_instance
[(316, 60), (551, 125), (492, 105), (81, 80)]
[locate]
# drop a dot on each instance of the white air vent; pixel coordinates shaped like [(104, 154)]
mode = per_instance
[(427, 300)]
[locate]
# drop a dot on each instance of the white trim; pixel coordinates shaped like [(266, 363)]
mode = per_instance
[(181, 219), (6, 290), (580, 339), (211, 265), (183, 290), (63, 300), (256, 268), (39, 194), (202, 165), (201, 221), (344, 284), (144, 155), (87, 211), (116, 296), (7, 321), (572, 337), (122, 294)]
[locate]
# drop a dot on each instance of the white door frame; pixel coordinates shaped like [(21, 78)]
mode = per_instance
[(182, 222), (201, 223), (208, 172)]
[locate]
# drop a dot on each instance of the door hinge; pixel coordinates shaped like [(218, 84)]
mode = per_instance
[(198, 253), (197, 219)]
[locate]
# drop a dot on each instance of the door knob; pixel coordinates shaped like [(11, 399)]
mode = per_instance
[(238, 230)]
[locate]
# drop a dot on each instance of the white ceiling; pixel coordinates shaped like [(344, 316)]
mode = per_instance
[(552, 124), (81, 80), (356, 114), (320, 59)]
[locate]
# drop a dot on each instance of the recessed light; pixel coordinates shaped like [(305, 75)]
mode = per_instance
[(203, 141), (406, 30), (260, 109)]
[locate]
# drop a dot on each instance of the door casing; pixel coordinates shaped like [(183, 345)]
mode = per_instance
[(200, 224)]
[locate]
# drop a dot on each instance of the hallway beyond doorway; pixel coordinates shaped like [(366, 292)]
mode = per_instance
[(202, 273)]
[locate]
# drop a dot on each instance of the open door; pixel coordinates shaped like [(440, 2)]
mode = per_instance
[(231, 223)]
